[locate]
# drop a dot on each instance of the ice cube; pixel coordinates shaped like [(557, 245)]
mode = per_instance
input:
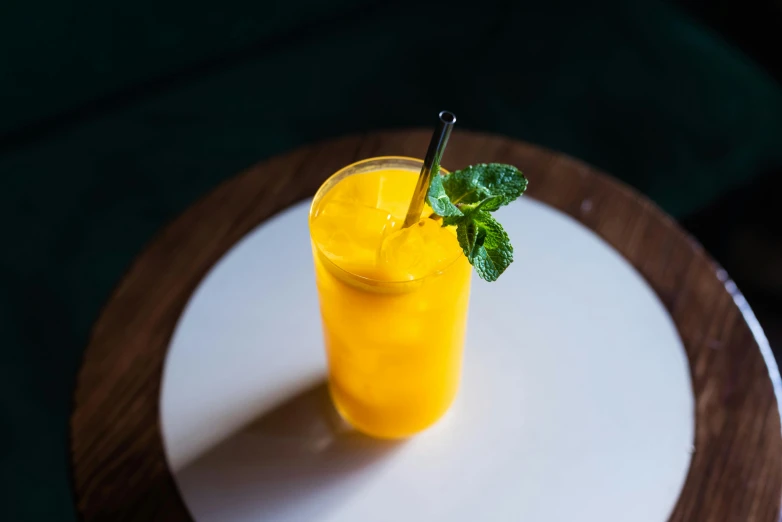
[(359, 189), (351, 234), (418, 251), (395, 190), (402, 252), (442, 247), (389, 190)]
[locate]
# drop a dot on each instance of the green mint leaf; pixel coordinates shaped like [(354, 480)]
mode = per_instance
[(499, 251), (452, 220), (465, 198), (498, 183), (486, 244), (470, 237), (489, 204), (437, 197)]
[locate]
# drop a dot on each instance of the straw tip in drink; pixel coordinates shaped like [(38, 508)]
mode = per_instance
[(447, 117)]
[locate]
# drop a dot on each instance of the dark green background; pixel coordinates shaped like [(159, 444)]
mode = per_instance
[(113, 118)]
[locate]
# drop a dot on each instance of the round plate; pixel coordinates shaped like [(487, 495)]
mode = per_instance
[(120, 470), (576, 394)]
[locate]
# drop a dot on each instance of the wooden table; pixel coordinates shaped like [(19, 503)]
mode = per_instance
[(119, 468)]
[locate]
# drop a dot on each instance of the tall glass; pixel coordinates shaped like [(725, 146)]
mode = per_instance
[(393, 334)]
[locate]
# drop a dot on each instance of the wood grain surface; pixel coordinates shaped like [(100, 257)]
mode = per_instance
[(118, 463)]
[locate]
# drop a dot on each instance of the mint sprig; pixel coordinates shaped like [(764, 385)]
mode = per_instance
[(438, 199), (465, 199)]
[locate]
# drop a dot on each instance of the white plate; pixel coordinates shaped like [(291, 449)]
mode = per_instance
[(576, 402)]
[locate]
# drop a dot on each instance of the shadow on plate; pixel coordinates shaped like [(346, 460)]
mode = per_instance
[(296, 462)]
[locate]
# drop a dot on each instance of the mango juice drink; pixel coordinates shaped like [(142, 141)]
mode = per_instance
[(393, 301)]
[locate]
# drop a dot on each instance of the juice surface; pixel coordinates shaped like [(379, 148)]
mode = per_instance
[(393, 302)]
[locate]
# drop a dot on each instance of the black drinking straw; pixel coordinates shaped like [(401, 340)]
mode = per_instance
[(434, 153)]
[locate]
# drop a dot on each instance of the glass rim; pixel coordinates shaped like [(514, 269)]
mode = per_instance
[(332, 181)]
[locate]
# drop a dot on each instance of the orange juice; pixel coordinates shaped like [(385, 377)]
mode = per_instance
[(393, 301)]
